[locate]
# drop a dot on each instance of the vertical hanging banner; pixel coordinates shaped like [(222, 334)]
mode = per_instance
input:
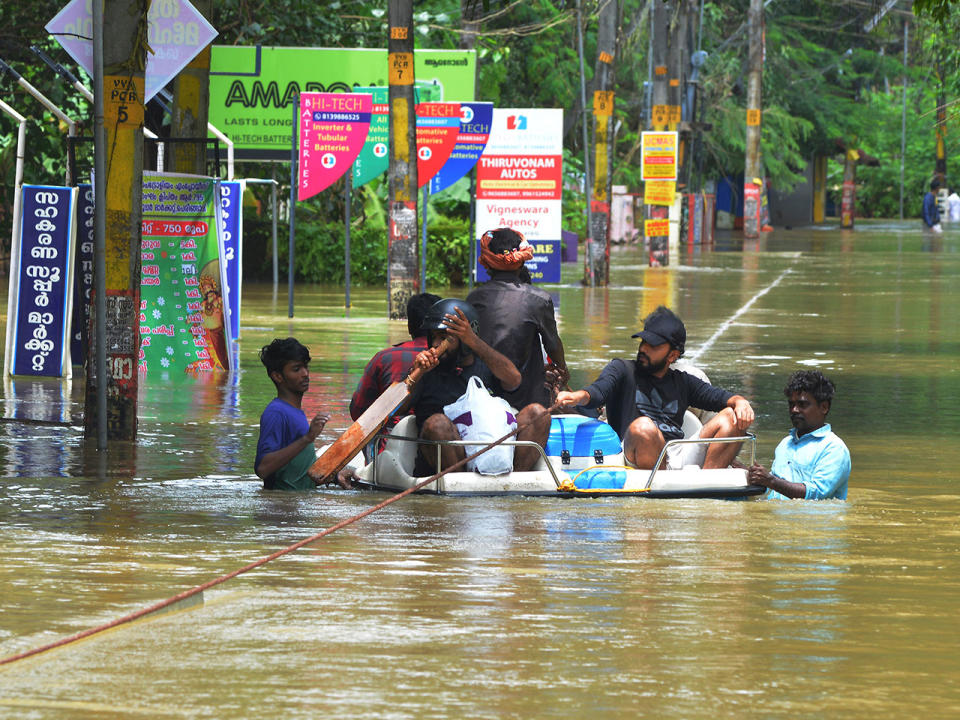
[(475, 121), (333, 128), (184, 322), (373, 158), (520, 184), (438, 125), (83, 275), (40, 296), (231, 228)]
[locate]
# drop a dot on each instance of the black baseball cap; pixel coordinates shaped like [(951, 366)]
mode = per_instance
[(663, 326)]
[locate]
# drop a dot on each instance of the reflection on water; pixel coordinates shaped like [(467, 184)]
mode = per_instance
[(512, 607)]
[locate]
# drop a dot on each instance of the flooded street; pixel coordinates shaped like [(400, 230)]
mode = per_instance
[(506, 607)]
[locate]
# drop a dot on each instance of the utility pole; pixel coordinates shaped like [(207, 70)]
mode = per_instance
[(753, 167), (659, 115), (402, 171), (122, 95), (940, 165), (597, 261)]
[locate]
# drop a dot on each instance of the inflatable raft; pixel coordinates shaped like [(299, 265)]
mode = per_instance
[(583, 458)]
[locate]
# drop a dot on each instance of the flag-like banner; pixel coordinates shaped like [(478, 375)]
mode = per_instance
[(333, 129), (438, 125), (374, 156), (475, 120)]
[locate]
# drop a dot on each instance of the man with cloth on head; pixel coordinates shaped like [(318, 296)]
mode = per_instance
[(517, 319), (646, 400), (810, 463), (447, 379)]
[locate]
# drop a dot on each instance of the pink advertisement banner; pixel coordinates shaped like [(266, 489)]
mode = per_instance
[(333, 130)]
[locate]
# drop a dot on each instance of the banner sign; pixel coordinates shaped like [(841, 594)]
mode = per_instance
[(252, 87), (176, 33), (656, 228), (438, 125), (333, 128), (659, 192), (374, 159), (231, 230), (475, 120), (520, 184), (184, 323), (83, 275), (658, 155), (40, 296)]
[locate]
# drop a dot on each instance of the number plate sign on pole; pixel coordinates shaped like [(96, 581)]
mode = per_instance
[(176, 33)]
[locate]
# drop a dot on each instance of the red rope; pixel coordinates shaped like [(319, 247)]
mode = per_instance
[(136, 615)]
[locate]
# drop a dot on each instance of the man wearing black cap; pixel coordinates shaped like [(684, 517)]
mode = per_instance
[(646, 400)]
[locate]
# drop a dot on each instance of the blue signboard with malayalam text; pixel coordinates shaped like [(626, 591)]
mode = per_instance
[(231, 227), (41, 284), (83, 275), (475, 121)]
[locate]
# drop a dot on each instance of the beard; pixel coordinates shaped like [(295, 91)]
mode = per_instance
[(448, 361), (645, 366)]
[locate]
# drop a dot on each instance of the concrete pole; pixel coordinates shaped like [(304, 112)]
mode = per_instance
[(402, 170), (752, 164)]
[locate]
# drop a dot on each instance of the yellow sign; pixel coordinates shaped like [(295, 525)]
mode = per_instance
[(401, 68), (658, 155), (660, 70), (673, 116), (753, 117), (123, 100), (656, 228), (659, 192), (399, 33), (605, 57), (658, 117), (603, 103)]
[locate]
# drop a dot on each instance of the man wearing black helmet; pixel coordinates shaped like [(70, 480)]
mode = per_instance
[(469, 356), (646, 400)]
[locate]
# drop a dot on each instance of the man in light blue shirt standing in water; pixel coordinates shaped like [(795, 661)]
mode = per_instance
[(811, 462)]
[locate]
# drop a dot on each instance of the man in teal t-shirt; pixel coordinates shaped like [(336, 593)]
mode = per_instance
[(811, 462), (285, 449)]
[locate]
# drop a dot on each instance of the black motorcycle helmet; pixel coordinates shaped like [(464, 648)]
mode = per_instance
[(433, 320)]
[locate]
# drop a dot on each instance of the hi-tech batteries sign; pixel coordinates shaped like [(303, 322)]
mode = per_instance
[(333, 129), (520, 184), (252, 88)]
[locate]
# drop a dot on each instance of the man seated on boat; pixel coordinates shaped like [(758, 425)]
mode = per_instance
[(517, 319), (468, 356), (285, 449), (392, 364), (811, 462), (646, 399)]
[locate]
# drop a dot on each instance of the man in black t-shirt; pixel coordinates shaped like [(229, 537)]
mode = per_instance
[(469, 356), (646, 400)]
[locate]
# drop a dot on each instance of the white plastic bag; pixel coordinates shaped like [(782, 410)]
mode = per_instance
[(480, 416)]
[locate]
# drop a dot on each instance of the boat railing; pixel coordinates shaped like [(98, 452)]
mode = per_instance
[(474, 443), (749, 437)]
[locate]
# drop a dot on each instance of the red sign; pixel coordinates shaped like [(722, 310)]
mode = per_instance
[(532, 177), (438, 125)]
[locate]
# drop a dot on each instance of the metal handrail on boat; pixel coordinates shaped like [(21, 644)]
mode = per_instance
[(695, 441), (440, 443)]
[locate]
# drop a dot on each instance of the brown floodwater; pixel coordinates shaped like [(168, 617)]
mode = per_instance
[(511, 607)]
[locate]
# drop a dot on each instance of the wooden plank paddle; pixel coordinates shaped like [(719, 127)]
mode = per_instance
[(355, 437)]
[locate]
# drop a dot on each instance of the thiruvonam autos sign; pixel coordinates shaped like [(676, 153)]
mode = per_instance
[(520, 184), (252, 88)]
